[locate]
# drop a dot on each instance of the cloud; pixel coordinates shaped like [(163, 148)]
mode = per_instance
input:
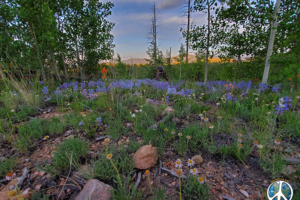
[(169, 4)]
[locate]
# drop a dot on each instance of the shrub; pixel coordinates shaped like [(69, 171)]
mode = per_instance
[(61, 159), (6, 166)]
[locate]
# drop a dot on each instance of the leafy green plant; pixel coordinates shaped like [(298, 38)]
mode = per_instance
[(274, 166), (72, 148), (7, 165), (225, 150), (194, 190)]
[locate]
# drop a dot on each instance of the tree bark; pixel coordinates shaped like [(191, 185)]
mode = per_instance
[(271, 43), (38, 52), (207, 46), (55, 66), (78, 59), (65, 67), (188, 32)]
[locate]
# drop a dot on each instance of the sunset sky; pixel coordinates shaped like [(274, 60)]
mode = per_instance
[(132, 18)]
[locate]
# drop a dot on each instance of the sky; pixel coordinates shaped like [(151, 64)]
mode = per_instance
[(133, 17)]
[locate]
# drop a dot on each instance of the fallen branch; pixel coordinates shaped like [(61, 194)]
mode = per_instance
[(23, 177), (173, 173), (138, 180), (101, 138), (154, 126)]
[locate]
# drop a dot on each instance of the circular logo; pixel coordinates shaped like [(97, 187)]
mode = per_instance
[(280, 190)]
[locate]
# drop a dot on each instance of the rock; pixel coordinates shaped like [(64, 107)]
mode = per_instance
[(11, 187), (27, 193), (288, 150), (69, 137), (287, 170), (42, 173), (176, 120), (34, 175), (197, 159), (95, 190), (38, 187), (294, 186), (145, 157), (167, 110), (292, 161), (244, 193), (227, 198)]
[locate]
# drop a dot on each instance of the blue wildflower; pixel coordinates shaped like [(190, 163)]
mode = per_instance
[(45, 90), (80, 123), (99, 121)]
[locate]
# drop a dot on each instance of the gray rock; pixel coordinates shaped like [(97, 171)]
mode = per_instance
[(95, 190), (288, 150), (294, 186), (227, 198), (292, 161)]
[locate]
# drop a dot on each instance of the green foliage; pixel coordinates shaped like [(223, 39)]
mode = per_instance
[(273, 165), (195, 190), (7, 165), (72, 148)]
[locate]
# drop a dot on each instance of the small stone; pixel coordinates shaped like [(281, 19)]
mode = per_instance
[(11, 187), (197, 159), (27, 194), (69, 137), (288, 150), (287, 170), (95, 190), (213, 191), (244, 193), (50, 190), (146, 157), (225, 185), (266, 182), (38, 187), (292, 161), (294, 186), (42, 173), (174, 183)]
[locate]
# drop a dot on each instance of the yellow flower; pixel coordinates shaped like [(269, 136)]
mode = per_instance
[(173, 132), (147, 172), (106, 140), (211, 126), (46, 137), (201, 180), (179, 172), (220, 117), (188, 137), (166, 129), (180, 134), (240, 145), (109, 156)]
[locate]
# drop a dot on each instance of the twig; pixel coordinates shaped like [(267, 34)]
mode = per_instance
[(67, 176), (22, 178), (72, 180), (138, 180), (160, 163), (172, 173), (101, 138), (155, 173), (59, 186)]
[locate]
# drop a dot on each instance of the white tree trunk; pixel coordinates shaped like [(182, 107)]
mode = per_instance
[(271, 42)]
